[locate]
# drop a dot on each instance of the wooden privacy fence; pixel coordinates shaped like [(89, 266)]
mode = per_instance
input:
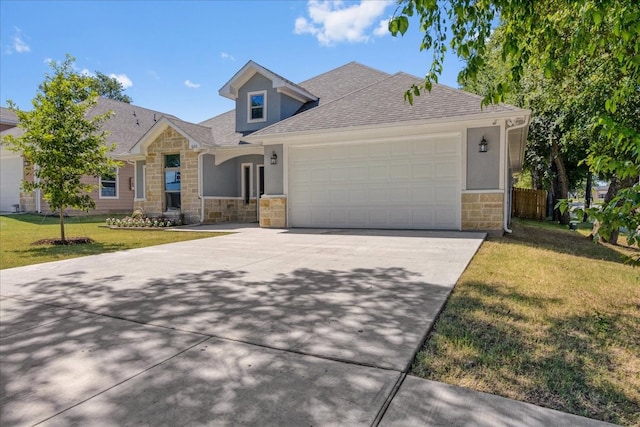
[(530, 204)]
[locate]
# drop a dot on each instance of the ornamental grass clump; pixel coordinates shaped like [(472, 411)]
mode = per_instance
[(142, 222)]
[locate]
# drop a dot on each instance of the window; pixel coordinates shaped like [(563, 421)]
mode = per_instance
[(172, 180), (140, 180), (257, 106), (109, 185), (246, 181)]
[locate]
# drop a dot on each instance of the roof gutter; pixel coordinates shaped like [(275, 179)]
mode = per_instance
[(506, 211)]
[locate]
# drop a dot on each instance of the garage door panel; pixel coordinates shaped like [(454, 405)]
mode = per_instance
[(339, 196), (444, 195), (447, 169), (379, 173), (400, 171), (358, 173), (400, 184), (380, 150)]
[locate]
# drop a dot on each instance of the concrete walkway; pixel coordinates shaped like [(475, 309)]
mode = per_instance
[(261, 327)]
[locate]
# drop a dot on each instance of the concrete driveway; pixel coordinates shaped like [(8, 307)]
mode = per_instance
[(262, 327)]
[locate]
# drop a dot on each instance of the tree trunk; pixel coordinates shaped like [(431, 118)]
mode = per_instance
[(587, 195), (615, 186), (562, 182), (62, 236)]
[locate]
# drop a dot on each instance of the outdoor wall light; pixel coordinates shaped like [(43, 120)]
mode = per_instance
[(483, 145), (26, 162), (274, 158)]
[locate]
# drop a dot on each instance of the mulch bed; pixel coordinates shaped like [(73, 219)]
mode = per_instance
[(66, 242)]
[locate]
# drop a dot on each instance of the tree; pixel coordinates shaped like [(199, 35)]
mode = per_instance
[(554, 151), (61, 142), (556, 37), (108, 87)]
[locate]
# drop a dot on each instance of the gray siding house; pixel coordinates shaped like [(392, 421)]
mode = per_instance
[(341, 150)]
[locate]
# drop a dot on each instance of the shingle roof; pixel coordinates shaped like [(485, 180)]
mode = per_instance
[(199, 133), (341, 81), (327, 87), (7, 116), (223, 128), (127, 124), (383, 103)]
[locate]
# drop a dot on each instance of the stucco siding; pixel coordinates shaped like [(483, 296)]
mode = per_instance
[(219, 180), (274, 174), (483, 169), (257, 83)]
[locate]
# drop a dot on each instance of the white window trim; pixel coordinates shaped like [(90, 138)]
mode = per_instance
[(242, 180), (264, 107), (117, 196)]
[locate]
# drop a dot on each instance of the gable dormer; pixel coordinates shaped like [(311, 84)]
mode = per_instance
[(263, 97)]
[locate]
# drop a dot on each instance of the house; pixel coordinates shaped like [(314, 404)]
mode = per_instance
[(115, 194), (599, 191), (341, 150)]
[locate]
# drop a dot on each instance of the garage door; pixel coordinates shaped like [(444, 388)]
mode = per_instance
[(399, 184), (10, 180)]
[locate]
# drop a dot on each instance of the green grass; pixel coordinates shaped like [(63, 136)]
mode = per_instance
[(544, 316), (19, 232)]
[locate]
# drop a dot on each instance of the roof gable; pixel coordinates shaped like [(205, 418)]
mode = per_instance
[(282, 85), (198, 136)]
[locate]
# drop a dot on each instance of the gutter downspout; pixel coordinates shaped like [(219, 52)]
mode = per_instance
[(200, 196), (506, 214)]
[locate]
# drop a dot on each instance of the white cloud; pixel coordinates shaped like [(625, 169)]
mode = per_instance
[(382, 29), (225, 55), (189, 83), (86, 72), (123, 79), (18, 45), (332, 22), (48, 60)]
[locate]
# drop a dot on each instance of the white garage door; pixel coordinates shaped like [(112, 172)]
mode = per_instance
[(10, 180), (400, 184)]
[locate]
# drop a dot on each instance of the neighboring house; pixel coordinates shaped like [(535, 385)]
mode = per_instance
[(115, 193), (599, 192), (10, 166), (340, 150)]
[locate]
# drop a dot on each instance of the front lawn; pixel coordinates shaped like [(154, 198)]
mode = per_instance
[(19, 232), (544, 316)]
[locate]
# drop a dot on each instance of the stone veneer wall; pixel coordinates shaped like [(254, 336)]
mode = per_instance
[(28, 201), (217, 210), (482, 211), (273, 212), (171, 142)]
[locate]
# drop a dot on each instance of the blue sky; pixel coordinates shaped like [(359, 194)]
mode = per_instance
[(174, 56)]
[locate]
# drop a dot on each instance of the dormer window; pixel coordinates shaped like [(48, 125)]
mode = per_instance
[(257, 106)]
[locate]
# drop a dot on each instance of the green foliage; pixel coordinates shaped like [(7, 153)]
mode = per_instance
[(588, 50), (62, 144), (108, 87)]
